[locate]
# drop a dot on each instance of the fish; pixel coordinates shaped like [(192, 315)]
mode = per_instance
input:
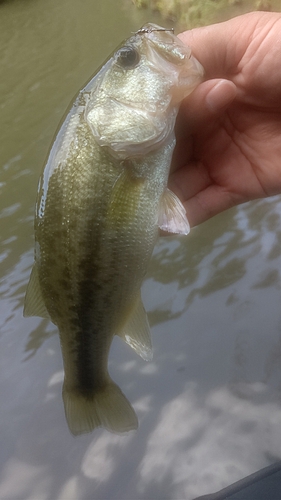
[(101, 200)]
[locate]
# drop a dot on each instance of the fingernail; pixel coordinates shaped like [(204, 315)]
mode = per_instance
[(221, 95)]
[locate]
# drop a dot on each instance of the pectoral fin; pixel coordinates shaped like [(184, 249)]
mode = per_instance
[(172, 215), (34, 303), (136, 332)]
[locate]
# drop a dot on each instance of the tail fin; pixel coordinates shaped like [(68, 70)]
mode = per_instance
[(107, 408)]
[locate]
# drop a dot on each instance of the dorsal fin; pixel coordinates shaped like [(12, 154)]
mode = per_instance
[(34, 303)]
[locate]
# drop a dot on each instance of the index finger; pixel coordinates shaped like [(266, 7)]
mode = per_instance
[(220, 47)]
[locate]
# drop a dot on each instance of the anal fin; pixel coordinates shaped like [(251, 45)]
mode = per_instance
[(136, 331)]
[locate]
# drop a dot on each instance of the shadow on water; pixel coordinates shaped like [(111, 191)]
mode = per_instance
[(215, 255), (38, 336)]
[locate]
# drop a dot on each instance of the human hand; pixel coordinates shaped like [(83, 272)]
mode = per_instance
[(228, 130)]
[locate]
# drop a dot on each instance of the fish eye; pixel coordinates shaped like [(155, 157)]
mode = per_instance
[(128, 57)]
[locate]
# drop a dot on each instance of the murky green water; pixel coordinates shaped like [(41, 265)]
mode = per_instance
[(209, 405)]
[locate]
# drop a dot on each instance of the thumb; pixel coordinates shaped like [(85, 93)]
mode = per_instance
[(220, 47), (206, 102), (210, 98)]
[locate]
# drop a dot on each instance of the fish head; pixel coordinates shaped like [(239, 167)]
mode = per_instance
[(133, 105)]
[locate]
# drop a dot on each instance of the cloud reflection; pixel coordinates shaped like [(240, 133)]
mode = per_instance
[(224, 435)]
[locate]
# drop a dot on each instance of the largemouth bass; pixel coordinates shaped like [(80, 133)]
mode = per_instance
[(101, 200)]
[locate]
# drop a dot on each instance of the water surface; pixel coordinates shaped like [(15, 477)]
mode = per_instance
[(209, 404)]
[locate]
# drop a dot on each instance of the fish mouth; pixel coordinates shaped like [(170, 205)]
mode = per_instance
[(165, 52)]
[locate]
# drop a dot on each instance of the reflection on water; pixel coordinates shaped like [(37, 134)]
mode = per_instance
[(219, 254), (209, 403)]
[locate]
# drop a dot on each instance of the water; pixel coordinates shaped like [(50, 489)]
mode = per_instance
[(209, 404)]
